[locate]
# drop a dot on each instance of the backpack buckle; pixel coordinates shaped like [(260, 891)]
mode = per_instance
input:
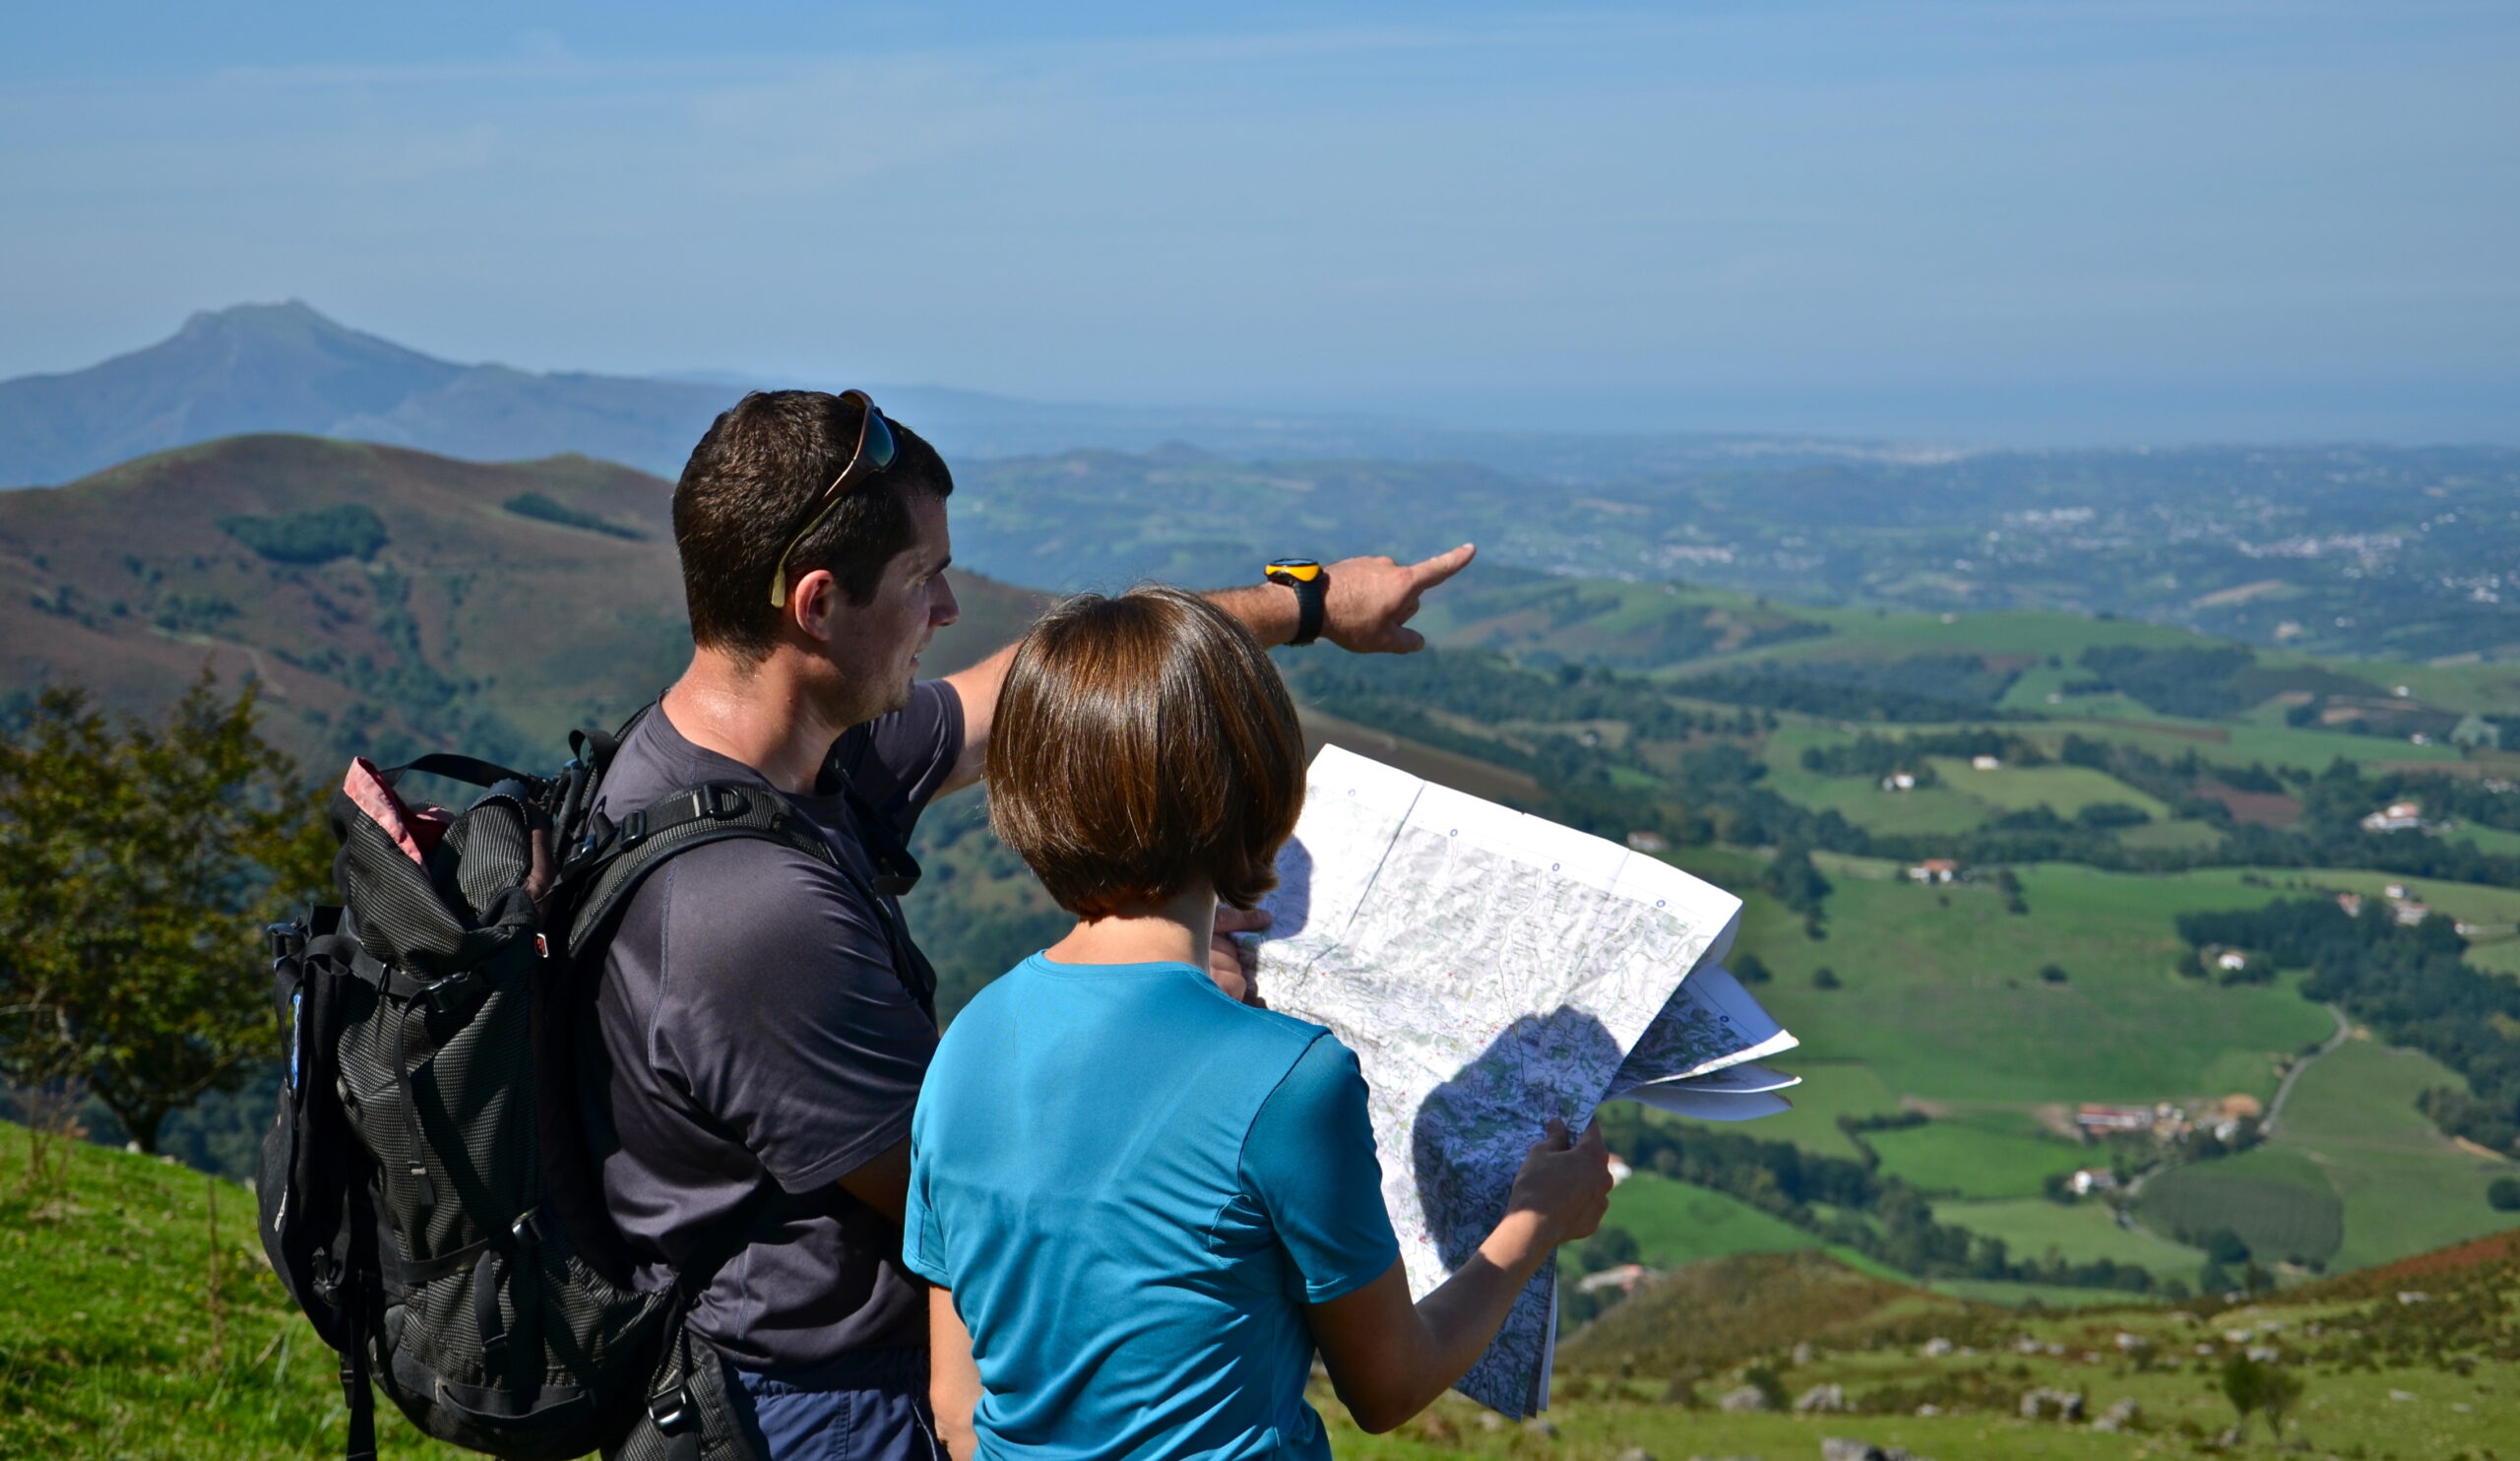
[(528, 1228), (288, 940), (671, 1411), (634, 828), (718, 803)]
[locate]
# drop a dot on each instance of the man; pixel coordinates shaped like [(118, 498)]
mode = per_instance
[(763, 1018)]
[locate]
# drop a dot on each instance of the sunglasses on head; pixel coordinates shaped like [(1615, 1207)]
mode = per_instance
[(875, 452)]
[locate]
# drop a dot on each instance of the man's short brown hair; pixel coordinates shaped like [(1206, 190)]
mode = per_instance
[(751, 483), (1143, 744)]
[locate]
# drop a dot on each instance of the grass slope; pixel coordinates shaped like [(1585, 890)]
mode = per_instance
[(106, 1337), (2381, 1379), (1922, 983), (1970, 1160)]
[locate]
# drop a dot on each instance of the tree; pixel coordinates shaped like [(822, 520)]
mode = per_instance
[(138, 863), (1794, 882), (2505, 1193), (2245, 1386), (1825, 977), (2276, 1390), (2223, 1245), (1607, 1249), (2054, 973)]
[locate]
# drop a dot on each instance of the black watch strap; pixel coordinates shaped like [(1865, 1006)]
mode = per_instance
[(1311, 583)]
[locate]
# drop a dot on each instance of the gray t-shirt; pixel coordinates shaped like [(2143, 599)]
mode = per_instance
[(761, 1034)]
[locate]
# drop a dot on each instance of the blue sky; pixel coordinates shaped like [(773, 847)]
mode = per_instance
[(1998, 222)]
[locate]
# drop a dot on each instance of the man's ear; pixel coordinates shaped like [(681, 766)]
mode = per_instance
[(812, 602)]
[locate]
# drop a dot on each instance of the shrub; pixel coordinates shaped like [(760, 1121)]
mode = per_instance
[(542, 509), (350, 530), (2504, 1194)]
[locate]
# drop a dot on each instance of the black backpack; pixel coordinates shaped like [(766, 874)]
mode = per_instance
[(427, 1195)]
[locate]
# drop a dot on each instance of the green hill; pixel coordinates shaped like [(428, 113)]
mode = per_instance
[(388, 600), (2382, 1376)]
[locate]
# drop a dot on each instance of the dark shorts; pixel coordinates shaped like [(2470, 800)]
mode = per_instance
[(866, 1406)]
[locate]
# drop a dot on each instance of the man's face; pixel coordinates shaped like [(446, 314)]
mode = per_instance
[(875, 646)]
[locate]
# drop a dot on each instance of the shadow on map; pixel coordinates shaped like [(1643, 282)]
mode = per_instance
[(1489, 1114), (1291, 903)]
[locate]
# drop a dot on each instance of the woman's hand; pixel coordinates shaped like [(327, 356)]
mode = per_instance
[(1228, 962), (1564, 1185), (1389, 1358)]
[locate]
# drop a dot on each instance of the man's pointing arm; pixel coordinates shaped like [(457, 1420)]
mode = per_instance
[(1368, 613)]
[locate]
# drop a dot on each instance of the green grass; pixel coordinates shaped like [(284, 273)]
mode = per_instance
[(1830, 1089), (2178, 836), (105, 1338), (1924, 982), (1964, 1160), (2046, 1295), (2275, 1199), (2485, 839), (2358, 1400), (2352, 1151), (2062, 789), (2083, 1232), (1926, 811), (1676, 1223), (2500, 955), (2405, 1188)]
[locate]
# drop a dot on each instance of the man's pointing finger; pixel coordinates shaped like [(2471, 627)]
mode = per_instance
[(1443, 565)]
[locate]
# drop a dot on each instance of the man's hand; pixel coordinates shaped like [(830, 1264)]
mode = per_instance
[(1372, 599), (1229, 963)]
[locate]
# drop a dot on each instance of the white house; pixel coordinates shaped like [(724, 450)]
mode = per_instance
[(1899, 781), (1985, 763)]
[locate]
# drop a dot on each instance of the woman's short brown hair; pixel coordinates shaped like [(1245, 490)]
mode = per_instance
[(1141, 744)]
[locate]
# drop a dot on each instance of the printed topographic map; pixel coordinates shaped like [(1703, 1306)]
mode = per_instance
[(1491, 970)]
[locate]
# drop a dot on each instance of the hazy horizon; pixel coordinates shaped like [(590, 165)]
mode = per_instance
[(1964, 223)]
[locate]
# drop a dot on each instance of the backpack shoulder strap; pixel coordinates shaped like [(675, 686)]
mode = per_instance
[(695, 816)]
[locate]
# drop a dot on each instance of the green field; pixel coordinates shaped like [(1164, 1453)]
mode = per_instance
[(2082, 1233), (2062, 789), (1830, 1089), (2405, 1188), (2171, 836), (1676, 1222), (1967, 1161), (1928, 810), (2275, 1199), (1921, 981)]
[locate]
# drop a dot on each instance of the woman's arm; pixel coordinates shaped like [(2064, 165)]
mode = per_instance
[(953, 1380), (1389, 1358)]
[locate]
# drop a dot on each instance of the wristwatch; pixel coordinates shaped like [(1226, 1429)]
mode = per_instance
[(1311, 583)]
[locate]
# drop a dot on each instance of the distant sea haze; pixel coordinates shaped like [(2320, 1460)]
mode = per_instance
[(286, 368)]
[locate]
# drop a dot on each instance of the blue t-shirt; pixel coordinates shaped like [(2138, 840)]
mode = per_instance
[(1133, 1185)]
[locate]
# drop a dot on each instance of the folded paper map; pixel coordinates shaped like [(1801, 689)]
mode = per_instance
[(1491, 970)]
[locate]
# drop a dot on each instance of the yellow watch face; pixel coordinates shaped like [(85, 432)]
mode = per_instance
[(1303, 572)]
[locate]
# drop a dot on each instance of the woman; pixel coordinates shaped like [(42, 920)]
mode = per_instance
[(1145, 1204)]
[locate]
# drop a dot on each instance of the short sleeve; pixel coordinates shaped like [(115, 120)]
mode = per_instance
[(1309, 1162), (781, 1013), (922, 1244), (896, 763)]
